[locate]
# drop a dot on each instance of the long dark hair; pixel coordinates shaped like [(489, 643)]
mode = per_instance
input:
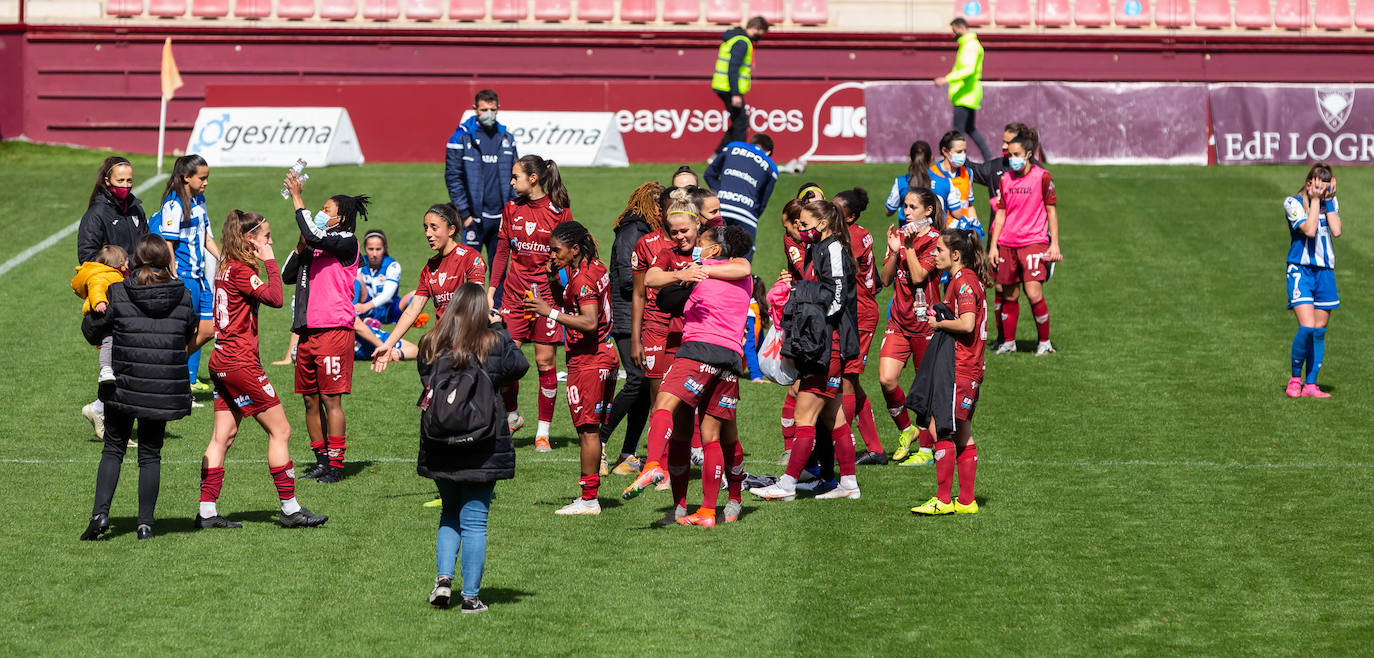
[(186, 165), (971, 253), (929, 200), (852, 203), (574, 234), (104, 172), (463, 331), (349, 209), (827, 211), (918, 164), (546, 173), (152, 260)]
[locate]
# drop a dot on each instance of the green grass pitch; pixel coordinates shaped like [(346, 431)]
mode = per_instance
[(1146, 490)]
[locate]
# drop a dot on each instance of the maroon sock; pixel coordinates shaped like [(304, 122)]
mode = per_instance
[(844, 449), (511, 396), (944, 470), (789, 422), (317, 446), (660, 430), (211, 479), (849, 405), (967, 461), (589, 484), (548, 392), (337, 445), (925, 439), (679, 461), (712, 469), (734, 477), (1011, 309), (802, 445), (285, 479), (896, 407), (696, 431), (1042, 319), (867, 427), (997, 313)]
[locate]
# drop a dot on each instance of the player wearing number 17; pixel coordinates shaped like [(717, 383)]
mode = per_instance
[(1024, 241)]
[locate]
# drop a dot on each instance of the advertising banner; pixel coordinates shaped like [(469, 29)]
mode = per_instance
[(1293, 123), (274, 136), (572, 139)]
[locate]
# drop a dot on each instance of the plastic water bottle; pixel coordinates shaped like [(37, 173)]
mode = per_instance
[(530, 294), (299, 170)]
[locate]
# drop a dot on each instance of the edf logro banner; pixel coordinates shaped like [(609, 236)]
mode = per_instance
[(1293, 123)]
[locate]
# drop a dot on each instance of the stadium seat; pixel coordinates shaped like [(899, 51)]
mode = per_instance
[(1012, 13), (1212, 13), (681, 11), (381, 10), (467, 10), (218, 8), (770, 10), (1364, 14), (167, 8), (1132, 13), (553, 11), (810, 12), (638, 11), (1172, 13), (338, 10), (424, 10), (295, 9), (596, 11), (976, 12), (247, 8), (1254, 14), (123, 8), (1092, 13), (1053, 13), (509, 10), (724, 12), (1332, 14), (1293, 14)]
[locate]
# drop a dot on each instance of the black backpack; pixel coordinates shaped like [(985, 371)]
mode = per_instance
[(460, 407)]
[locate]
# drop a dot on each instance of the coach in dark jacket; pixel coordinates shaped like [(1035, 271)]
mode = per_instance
[(110, 219), (477, 168)]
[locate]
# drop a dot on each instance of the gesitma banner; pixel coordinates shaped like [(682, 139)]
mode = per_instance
[(274, 136), (572, 139), (1265, 123)]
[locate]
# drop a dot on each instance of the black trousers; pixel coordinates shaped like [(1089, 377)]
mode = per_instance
[(631, 402), (963, 122), (118, 429), (738, 130)]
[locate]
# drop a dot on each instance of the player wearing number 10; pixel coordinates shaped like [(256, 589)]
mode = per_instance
[(1313, 219)]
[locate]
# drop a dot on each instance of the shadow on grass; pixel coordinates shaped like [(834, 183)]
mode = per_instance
[(126, 525), (503, 595)]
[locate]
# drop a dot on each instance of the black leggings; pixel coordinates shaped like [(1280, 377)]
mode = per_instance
[(632, 401), (963, 122), (118, 428), (738, 130)]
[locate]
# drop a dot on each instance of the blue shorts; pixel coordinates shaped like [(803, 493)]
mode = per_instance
[(1312, 285), (202, 297), (387, 313)]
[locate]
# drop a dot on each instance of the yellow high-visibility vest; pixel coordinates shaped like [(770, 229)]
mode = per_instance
[(721, 80)]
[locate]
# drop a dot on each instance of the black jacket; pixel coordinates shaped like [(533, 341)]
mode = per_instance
[(151, 326), (932, 391), (627, 235), (833, 298), (504, 365), (107, 221)]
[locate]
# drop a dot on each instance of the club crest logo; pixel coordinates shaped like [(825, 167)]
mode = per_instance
[(529, 227), (1334, 105)]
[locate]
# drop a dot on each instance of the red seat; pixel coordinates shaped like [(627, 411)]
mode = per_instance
[(1364, 14), (1212, 13), (1132, 13), (810, 12), (552, 10), (248, 8), (509, 10), (295, 9), (167, 8), (1254, 14), (123, 8), (1293, 14), (724, 12), (467, 10), (1092, 13), (770, 10), (1012, 13), (424, 10), (338, 10), (381, 10), (215, 8), (1172, 13), (596, 11), (638, 11), (1052, 13), (681, 11), (1332, 14)]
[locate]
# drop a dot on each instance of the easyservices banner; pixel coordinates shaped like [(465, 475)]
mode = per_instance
[(274, 136), (1293, 123)]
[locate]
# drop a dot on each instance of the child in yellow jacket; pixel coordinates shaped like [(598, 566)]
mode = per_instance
[(91, 282)]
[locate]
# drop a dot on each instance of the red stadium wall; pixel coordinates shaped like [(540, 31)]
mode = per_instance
[(98, 85)]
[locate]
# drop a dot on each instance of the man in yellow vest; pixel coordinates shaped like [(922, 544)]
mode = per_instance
[(965, 82), (731, 81)]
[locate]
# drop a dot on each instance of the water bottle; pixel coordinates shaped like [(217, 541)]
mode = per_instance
[(299, 170), (529, 294)]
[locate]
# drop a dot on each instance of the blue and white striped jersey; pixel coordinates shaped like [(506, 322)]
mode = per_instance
[(1315, 251), (186, 235)]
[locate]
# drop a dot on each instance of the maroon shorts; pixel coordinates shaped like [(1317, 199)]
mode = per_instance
[(706, 388), (243, 388), (827, 384), (965, 397), (1017, 264), (591, 385), (539, 330), (856, 365), (659, 351), (324, 362), (901, 346)]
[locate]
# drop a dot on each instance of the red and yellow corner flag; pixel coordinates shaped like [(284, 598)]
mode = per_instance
[(171, 77)]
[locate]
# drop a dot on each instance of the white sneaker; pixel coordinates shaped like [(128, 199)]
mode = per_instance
[(97, 420), (698, 456), (106, 375), (580, 506), (196, 404), (1008, 347), (774, 492), (514, 421), (841, 492), (1044, 348)]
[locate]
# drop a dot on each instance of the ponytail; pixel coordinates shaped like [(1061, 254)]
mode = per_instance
[(918, 165), (546, 171), (186, 165), (971, 253)]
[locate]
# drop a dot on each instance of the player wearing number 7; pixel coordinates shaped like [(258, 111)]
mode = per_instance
[(1024, 242), (1313, 220)]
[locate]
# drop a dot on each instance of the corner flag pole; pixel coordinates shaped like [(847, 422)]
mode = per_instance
[(171, 81)]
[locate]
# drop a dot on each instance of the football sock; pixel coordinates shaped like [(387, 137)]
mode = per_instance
[(1318, 353), (1041, 312), (944, 470), (1011, 309), (712, 469), (997, 313), (896, 407), (660, 430), (844, 449), (589, 484), (511, 396), (193, 365), (868, 428), (284, 478), (802, 445), (1302, 346), (967, 463), (849, 481), (734, 477), (542, 429), (679, 462), (211, 480), (548, 392), (789, 423), (98, 406), (925, 440), (336, 446), (696, 431)]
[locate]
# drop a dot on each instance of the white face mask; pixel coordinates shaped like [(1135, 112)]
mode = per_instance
[(487, 119), (1016, 164), (958, 159)]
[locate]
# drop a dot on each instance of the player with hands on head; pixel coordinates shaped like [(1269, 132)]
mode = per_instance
[(1313, 221)]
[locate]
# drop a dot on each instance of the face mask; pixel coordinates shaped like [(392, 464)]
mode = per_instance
[(121, 193), (810, 235), (958, 159), (696, 255), (1016, 164), (487, 119), (322, 220)]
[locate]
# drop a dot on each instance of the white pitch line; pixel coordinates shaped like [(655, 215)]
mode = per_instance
[(66, 231), (988, 462)]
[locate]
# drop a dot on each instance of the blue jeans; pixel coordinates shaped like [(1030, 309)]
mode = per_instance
[(464, 520)]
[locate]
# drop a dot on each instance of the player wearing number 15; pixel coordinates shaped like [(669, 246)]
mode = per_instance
[(1024, 241), (1313, 220)]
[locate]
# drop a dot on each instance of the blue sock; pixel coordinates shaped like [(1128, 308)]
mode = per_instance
[(1318, 352), (193, 364), (1302, 346)]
